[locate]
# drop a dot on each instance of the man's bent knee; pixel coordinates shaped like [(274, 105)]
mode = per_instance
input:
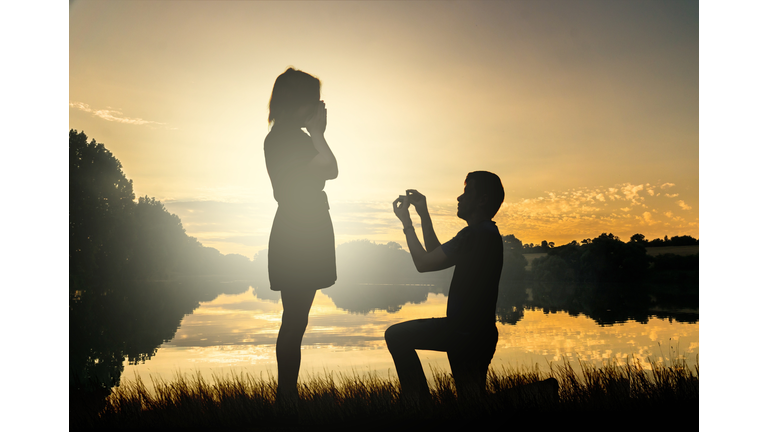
[(391, 336), (397, 335)]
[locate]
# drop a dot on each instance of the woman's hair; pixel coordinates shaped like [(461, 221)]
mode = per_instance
[(488, 184), (293, 88)]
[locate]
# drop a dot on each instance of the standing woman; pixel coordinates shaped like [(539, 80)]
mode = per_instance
[(302, 257)]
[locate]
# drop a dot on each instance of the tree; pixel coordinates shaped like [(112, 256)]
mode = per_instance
[(514, 261), (638, 238), (603, 260), (100, 211), (113, 237), (685, 240), (160, 240), (511, 242)]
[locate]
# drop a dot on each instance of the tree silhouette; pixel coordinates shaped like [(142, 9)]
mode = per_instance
[(114, 237), (685, 240), (100, 211), (511, 242), (514, 261)]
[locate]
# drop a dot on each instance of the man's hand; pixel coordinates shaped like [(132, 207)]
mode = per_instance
[(418, 200), (400, 207), (425, 260)]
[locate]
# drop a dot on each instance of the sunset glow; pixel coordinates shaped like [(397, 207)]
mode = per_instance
[(588, 111)]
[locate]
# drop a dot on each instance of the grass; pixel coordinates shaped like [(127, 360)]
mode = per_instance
[(621, 395)]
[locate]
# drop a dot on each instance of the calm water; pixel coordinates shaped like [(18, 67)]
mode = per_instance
[(237, 332)]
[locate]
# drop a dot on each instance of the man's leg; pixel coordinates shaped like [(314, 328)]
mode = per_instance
[(470, 356), (404, 339)]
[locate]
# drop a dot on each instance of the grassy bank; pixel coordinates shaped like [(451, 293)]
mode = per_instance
[(614, 395)]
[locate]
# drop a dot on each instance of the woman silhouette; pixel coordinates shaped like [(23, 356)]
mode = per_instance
[(301, 252)]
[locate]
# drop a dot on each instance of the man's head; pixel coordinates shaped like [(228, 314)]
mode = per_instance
[(482, 197)]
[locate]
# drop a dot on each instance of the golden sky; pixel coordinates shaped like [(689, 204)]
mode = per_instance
[(588, 111)]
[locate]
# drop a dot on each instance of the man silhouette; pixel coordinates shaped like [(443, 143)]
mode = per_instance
[(468, 332)]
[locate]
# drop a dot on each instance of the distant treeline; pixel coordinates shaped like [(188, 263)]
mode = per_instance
[(604, 276), (640, 239), (604, 259)]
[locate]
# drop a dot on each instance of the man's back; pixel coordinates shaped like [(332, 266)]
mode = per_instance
[(479, 254)]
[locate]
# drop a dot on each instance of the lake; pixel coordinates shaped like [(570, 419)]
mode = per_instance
[(236, 332)]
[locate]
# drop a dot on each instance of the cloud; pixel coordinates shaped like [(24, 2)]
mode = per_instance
[(671, 195), (683, 205), (667, 185), (612, 194), (631, 191), (562, 216), (648, 218), (112, 115), (650, 192)]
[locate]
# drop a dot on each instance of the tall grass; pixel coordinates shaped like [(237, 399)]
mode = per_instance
[(562, 396)]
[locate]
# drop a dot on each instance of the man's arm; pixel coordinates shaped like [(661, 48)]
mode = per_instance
[(423, 260), (419, 202)]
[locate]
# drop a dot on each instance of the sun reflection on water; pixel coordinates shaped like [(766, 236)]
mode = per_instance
[(238, 332)]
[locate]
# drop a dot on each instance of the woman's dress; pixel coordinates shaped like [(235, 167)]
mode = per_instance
[(301, 251)]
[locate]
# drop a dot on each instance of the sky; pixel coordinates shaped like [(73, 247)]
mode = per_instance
[(588, 111)]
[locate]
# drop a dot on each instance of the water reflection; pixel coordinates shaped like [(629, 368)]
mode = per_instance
[(161, 328), (362, 298), (121, 323), (238, 332)]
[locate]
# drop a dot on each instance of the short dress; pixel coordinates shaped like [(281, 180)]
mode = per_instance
[(302, 252)]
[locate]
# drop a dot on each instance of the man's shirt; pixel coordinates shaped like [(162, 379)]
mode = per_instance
[(478, 252)]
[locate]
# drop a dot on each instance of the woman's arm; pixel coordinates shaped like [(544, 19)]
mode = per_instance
[(324, 164)]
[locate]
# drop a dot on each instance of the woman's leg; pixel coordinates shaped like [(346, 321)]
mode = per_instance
[(296, 307)]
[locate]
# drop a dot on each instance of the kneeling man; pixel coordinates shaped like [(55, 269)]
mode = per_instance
[(468, 332)]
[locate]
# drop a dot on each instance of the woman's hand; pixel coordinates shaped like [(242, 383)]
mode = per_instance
[(401, 210), (324, 163), (316, 124)]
